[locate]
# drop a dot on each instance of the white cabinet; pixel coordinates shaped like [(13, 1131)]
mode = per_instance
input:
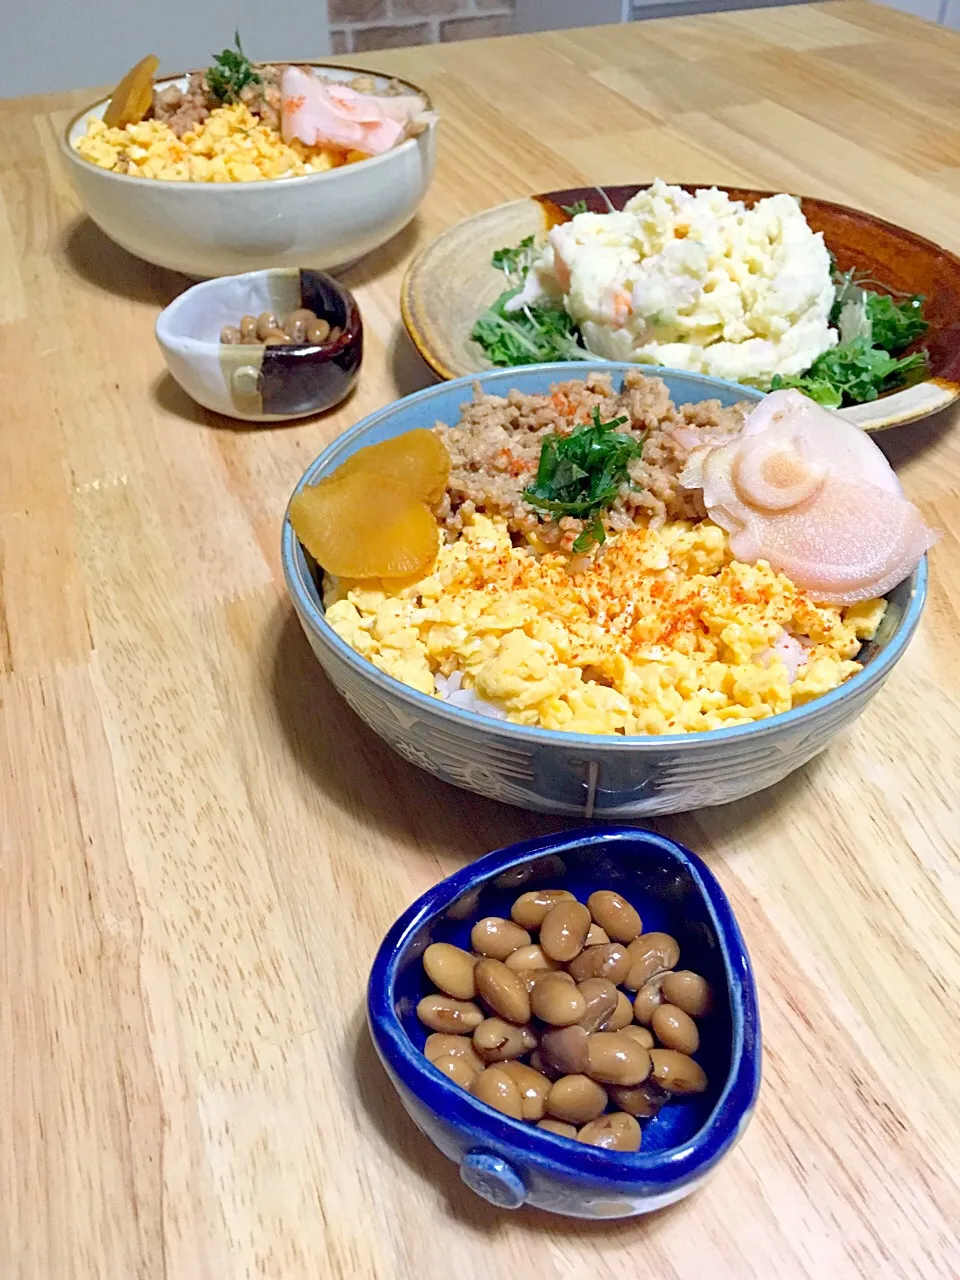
[(946, 12), (545, 15), (553, 15), (550, 15), (929, 9)]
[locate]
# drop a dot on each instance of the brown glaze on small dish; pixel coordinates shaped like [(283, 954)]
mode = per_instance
[(451, 281)]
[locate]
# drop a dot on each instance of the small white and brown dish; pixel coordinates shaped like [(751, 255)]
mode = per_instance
[(253, 380)]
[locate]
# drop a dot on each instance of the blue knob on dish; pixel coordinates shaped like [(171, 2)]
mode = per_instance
[(493, 1179)]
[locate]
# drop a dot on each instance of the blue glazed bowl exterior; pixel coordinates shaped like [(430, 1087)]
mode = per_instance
[(593, 776), (510, 1163)]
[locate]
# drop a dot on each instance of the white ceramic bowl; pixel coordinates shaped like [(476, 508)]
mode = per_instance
[(203, 229)]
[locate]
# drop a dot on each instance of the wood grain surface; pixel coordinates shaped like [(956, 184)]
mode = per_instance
[(201, 846)]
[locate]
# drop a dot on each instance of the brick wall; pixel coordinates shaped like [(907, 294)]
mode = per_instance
[(359, 25)]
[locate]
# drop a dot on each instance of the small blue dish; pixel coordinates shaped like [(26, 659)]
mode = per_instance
[(510, 1163)]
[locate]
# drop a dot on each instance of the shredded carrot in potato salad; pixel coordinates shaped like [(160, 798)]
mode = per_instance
[(664, 633)]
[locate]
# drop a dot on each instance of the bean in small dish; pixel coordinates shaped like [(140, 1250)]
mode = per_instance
[(591, 1057), (302, 327)]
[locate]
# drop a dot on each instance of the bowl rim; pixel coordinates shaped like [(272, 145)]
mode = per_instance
[(299, 586), (319, 352), (672, 1165), (259, 184)]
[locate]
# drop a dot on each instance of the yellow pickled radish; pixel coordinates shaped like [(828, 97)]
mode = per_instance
[(418, 460), (359, 526), (133, 95)]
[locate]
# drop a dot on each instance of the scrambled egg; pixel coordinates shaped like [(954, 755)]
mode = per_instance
[(231, 145), (664, 633), (696, 282)]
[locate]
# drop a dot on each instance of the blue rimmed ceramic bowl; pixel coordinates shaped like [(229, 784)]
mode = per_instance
[(510, 1163), (590, 775)]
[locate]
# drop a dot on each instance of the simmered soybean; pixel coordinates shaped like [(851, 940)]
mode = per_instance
[(533, 1086), (564, 930), (497, 1089), (602, 999), (618, 1131), (443, 1013), (498, 938), (675, 1029), (530, 958), (647, 1000), (559, 1003), (450, 969), (502, 990), (565, 1051), (641, 1100), (610, 960), (622, 1015), (559, 1127), (566, 1015), (676, 1072), (615, 1058), (689, 992), (615, 915), (496, 1040), (530, 908), (642, 1035), (650, 954), (458, 1069), (576, 1099), (441, 1044)]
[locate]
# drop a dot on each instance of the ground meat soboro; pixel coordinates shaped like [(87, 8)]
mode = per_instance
[(495, 448)]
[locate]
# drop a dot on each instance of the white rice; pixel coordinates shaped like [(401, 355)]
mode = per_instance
[(450, 689), (791, 650)]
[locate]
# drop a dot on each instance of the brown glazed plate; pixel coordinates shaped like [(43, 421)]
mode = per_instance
[(452, 281)]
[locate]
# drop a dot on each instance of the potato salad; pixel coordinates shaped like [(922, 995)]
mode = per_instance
[(695, 281)]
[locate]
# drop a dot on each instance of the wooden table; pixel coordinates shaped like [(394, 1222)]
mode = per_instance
[(201, 845)]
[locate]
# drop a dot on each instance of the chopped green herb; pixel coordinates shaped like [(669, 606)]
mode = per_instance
[(230, 73), (580, 474), (847, 290), (894, 325), (874, 329), (578, 206), (854, 374), (532, 335), (859, 312), (516, 262), (593, 534)]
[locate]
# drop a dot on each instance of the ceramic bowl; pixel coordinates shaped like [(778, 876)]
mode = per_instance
[(321, 220), (511, 1163), (603, 776), (450, 282), (257, 383)]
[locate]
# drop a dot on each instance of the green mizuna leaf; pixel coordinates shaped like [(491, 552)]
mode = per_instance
[(854, 373), (230, 73)]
